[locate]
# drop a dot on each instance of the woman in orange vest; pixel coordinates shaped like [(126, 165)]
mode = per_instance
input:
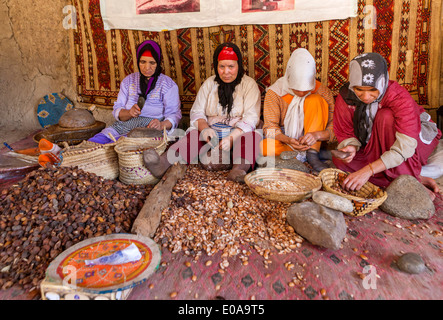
[(298, 112)]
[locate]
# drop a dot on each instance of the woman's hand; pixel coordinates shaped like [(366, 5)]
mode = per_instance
[(209, 135), (352, 150), (292, 142), (309, 139), (159, 125), (135, 111), (295, 144), (227, 142), (357, 179), (126, 115), (155, 124)]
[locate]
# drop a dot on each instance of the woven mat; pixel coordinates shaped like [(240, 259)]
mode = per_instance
[(401, 33)]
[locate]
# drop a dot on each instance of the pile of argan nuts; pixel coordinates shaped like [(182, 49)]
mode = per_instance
[(54, 208), (209, 214)]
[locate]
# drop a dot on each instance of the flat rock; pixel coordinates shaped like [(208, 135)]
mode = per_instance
[(287, 155), (333, 201), (408, 199), (265, 162), (319, 225), (277, 162), (411, 263), (143, 132), (340, 154)]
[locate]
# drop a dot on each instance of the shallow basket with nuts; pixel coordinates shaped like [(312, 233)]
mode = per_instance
[(365, 200), (285, 185)]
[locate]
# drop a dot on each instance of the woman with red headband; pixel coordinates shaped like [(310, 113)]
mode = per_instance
[(224, 116), (147, 98)]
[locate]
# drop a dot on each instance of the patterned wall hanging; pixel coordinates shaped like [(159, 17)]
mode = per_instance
[(400, 30)]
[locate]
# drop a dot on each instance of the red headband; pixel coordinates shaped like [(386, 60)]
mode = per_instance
[(227, 53), (147, 53)]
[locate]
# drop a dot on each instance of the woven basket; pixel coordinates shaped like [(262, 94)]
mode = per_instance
[(130, 158), (89, 156), (285, 185), (365, 200)]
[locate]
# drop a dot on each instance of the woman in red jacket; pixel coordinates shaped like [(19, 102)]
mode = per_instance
[(385, 132)]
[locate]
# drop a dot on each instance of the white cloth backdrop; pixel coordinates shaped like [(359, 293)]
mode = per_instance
[(121, 14)]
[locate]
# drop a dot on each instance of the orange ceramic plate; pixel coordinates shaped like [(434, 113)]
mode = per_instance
[(70, 269)]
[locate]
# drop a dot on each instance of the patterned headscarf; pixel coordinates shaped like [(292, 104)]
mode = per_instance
[(226, 90), (146, 85), (368, 69)]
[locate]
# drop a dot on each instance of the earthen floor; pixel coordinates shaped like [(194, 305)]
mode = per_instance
[(363, 269)]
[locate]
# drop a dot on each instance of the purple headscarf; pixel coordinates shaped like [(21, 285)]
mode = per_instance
[(146, 85)]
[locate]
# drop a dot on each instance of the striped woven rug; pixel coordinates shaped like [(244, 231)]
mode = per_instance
[(405, 32)]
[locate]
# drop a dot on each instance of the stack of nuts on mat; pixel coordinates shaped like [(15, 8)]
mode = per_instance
[(53, 209), (209, 214)]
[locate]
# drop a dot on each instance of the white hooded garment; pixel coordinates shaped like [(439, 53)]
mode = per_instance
[(299, 75)]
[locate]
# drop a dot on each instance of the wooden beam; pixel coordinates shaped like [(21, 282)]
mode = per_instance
[(159, 198)]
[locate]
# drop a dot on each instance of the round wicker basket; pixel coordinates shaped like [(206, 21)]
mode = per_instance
[(92, 157), (365, 200), (285, 185), (130, 158)]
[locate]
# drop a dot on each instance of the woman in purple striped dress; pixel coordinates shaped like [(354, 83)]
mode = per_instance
[(147, 98)]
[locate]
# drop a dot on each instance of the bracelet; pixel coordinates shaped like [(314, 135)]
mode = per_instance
[(372, 170), (331, 135)]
